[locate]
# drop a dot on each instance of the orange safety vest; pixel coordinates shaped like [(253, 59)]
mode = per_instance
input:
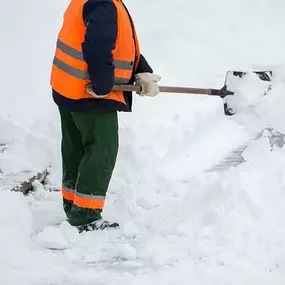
[(69, 74)]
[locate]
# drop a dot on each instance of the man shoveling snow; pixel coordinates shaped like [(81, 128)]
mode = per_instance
[(97, 47)]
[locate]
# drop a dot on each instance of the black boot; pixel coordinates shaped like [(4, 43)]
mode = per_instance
[(98, 225)]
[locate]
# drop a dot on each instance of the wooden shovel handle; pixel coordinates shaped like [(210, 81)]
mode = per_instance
[(165, 89), (185, 90)]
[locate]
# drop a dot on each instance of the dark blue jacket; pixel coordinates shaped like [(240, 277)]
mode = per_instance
[(100, 18)]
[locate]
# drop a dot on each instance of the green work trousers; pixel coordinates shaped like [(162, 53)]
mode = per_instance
[(89, 151)]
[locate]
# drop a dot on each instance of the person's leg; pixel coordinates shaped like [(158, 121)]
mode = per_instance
[(99, 132), (72, 153)]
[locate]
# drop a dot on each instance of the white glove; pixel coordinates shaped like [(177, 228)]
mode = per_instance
[(148, 82), (91, 92)]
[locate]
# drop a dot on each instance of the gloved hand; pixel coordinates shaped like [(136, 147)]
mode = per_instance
[(91, 92), (148, 82)]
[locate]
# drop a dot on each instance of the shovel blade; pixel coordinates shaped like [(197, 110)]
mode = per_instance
[(248, 89)]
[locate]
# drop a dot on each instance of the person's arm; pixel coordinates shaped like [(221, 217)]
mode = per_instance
[(100, 18), (143, 66)]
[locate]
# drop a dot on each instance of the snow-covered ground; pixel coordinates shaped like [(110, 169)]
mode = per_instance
[(182, 219)]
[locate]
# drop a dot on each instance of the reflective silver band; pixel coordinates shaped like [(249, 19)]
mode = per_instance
[(69, 50), (91, 197), (82, 74), (125, 65), (70, 70), (121, 81), (120, 64), (69, 190)]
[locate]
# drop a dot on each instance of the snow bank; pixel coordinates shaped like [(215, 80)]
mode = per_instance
[(28, 117), (18, 262)]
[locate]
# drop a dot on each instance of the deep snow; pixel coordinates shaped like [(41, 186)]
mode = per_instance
[(181, 221)]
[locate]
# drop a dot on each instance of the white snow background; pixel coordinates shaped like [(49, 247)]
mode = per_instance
[(180, 222)]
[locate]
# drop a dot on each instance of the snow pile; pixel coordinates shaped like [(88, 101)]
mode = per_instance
[(19, 261), (223, 227), (28, 117)]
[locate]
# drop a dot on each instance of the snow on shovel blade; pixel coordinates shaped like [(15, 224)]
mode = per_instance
[(248, 89)]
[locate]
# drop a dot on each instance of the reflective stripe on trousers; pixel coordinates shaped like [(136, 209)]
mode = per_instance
[(83, 200)]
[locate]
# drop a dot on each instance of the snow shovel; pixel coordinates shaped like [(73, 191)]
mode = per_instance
[(236, 83)]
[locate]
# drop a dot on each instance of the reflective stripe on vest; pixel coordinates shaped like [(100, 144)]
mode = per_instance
[(119, 64)]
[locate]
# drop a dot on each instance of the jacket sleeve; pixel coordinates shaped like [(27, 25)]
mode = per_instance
[(100, 18), (143, 66)]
